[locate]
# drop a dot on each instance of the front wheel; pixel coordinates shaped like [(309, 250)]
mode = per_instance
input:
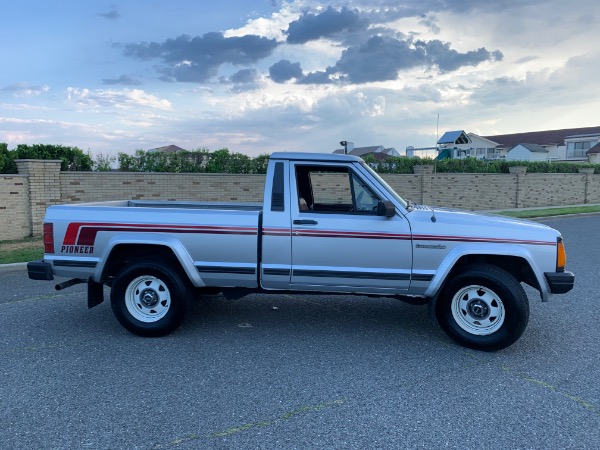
[(483, 307), (149, 298)]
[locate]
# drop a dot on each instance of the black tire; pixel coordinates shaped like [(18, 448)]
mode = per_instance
[(149, 298), (483, 307)]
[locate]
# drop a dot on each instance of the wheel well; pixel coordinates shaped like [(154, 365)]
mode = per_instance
[(126, 254), (516, 266)]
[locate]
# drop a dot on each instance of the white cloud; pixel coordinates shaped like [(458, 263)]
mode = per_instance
[(120, 99), (24, 89), (270, 27)]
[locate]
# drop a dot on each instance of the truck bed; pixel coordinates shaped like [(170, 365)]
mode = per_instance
[(225, 206), (228, 206), (220, 240)]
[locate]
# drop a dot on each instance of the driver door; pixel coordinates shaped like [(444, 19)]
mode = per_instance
[(338, 239)]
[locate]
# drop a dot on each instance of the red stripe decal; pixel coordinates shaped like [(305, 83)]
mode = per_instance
[(82, 233)]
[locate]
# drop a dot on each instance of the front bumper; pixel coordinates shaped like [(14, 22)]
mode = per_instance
[(39, 270), (560, 282)]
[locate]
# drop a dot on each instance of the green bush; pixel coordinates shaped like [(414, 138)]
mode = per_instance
[(196, 161), (472, 165), (72, 157)]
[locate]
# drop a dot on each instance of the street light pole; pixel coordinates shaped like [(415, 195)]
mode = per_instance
[(345, 145)]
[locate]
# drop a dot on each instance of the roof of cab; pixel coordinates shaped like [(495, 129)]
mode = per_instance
[(305, 156)]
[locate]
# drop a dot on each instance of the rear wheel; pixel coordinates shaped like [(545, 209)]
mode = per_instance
[(483, 307), (149, 298)]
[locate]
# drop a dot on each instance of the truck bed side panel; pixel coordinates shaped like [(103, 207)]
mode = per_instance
[(221, 244)]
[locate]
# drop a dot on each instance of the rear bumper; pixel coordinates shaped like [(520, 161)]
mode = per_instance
[(39, 270), (560, 282)]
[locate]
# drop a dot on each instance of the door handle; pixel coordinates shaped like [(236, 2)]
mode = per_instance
[(305, 222)]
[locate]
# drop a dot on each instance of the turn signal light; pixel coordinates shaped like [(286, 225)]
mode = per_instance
[(48, 238), (561, 256)]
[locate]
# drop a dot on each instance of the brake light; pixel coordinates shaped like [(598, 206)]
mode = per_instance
[(561, 256), (48, 238)]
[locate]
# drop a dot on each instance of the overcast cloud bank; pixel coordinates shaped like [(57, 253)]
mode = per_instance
[(295, 75)]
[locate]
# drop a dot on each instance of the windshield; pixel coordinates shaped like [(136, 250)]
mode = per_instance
[(386, 186)]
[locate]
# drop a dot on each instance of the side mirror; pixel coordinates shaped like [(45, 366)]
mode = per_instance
[(386, 208)]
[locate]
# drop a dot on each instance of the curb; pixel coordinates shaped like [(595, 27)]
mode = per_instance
[(13, 267)]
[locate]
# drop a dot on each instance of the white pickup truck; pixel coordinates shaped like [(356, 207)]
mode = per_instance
[(328, 224)]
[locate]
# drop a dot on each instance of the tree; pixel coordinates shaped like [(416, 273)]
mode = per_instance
[(6, 160), (103, 163), (73, 158)]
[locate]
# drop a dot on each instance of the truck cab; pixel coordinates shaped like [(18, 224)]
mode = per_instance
[(328, 222)]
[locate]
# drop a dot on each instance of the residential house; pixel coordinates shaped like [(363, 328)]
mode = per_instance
[(459, 144), (594, 154), (527, 152), (572, 144)]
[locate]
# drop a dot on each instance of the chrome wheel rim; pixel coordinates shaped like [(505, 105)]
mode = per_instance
[(478, 310), (147, 299)]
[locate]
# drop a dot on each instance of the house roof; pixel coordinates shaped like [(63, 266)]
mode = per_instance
[(595, 149), (549, 137), (378, 151), (380, 156), (454, 137), (535, 148), (168, 149), (359, 151)]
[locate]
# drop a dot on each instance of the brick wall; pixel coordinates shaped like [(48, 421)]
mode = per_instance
[(79, 187), (15, 221), (25, 197)]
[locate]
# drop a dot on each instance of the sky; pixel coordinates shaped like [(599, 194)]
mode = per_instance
[(258, 76)]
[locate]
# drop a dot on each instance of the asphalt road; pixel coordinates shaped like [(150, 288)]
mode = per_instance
[(288, 372)]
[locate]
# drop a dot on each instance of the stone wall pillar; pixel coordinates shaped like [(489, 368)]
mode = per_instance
[(425, 171), (589, 173), (44, 188), (519, 172)]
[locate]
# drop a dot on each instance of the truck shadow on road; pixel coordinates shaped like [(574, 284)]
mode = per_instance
[(317, 315)]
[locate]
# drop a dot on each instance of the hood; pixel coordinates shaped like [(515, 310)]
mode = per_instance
[(445, 221)]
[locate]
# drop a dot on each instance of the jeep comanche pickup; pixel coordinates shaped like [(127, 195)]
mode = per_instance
[(328, 224)]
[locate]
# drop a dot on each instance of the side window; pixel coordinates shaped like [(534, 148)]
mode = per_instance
[(329, 189), (365, 201)]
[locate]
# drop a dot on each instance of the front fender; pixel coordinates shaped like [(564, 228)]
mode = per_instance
[(460, 251)]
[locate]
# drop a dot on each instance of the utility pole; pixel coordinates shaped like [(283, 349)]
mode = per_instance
[(437, 131)]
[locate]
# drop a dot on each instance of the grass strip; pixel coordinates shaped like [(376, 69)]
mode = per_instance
[(22, 250), (547, 212)]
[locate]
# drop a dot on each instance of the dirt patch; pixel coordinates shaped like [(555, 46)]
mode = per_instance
[(22, 244)]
